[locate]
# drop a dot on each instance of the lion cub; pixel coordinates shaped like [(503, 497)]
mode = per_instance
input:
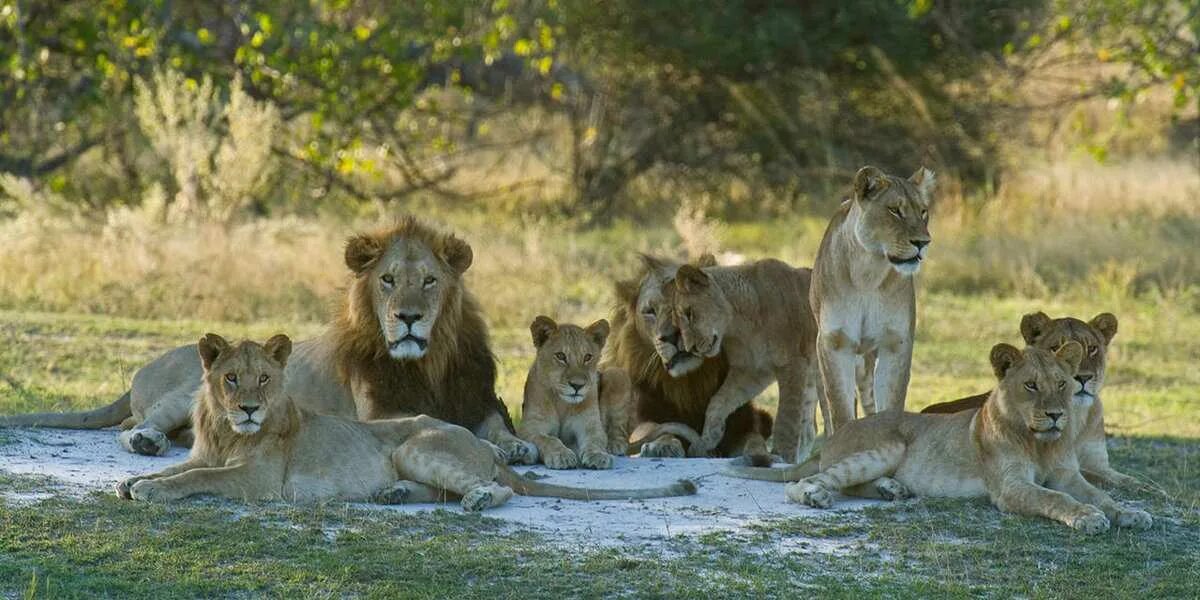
[(574, 413)]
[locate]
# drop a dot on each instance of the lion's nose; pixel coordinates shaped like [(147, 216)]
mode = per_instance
[(409, 318), (249, 410), (1054, 416), (919, 244), (1083, 379), (577, 386)]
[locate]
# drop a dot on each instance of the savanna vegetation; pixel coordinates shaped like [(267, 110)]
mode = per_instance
[(171, 168)]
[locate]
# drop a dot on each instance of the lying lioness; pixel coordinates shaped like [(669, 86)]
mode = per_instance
[(254, 443)]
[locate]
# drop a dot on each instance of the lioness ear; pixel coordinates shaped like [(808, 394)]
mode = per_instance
[(691, 279), (457, 254), (541, 328), (1106, 324), (211, 346), (1072, 354), (1003, 357), (361, 253), (598, 331), (279, 348), (867, 181), (925, 180), (706, 260), (1034, 325)]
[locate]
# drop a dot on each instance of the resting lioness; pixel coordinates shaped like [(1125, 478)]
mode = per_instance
[(254, 443), (1017, 449), (862, 292), (1038, 329), (575, 413), (757, 314)]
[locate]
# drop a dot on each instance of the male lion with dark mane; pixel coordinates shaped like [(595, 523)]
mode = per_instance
[(408, 339)]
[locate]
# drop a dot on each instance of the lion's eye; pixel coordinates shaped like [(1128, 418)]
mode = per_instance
[(263, 378), (388, 280), (562, 358), (1062, 384), (925, 215), (587, 358), (430, 280), (1031, 386), (231, 378), (1093, 350), (895, 212)]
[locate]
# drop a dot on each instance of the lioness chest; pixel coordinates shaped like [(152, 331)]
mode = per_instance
[(334, 458), (864, 323)]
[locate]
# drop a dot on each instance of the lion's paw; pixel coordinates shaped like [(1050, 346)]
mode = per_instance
[(596, 459), (148, 491), (148, 442), (671, 448), (124, 486), (890, 489), (485, 496), (1091, 522), (1133, 518), (562, 459), (809, 494), (618, 447), (397, 493), (518, 451)]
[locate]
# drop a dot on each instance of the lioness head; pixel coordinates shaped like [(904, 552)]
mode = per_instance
[(1036, 386), (567, 356), (891, 216), (652, 313), (409, 273), (244, 380), (1040, 330), (701, 310)]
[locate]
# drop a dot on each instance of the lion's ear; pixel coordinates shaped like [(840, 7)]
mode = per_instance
[(1106, 324), (598, 331), (691, 279), (657, 266), (1003, 357), (361, 253), (279, 348), (457, 254), (925, 180), (1072, 354), (211, 346), (868, 181), (706, 260), (541, 328), (1034, 326)]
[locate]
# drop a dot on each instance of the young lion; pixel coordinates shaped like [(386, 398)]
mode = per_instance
[(574, 413), (758, 315), (862, 292), (1017, 449), (254, 443)]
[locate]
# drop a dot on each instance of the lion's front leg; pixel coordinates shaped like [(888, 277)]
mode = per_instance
[(739, 388), (238, 482), (515, 449), (124, 485), (795, 422), (1025, 497), (893, 367), (591, 439), (615, 404), (1072, 482)]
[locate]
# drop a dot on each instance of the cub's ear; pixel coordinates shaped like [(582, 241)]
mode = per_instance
[(1072, 354), (457, 254), (1106, 324), (361, 252), (706, 260), (279, 348), (598, 331), (211, 346), (541, 328), (1034, 326), (1003, 357), (868, 181), (925, 180), (691, 279)]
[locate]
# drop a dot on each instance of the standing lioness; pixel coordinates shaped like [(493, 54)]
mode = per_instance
[(254, 443), (862, 290)]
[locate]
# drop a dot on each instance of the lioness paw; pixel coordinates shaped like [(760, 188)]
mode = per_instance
[(595, 459), (562, 459), (671, 448), (148, 442), (809, 494), (1090, 522), (486, 496), (398, 493), (1133, 518), (147, 491), (890, 489), (618, 447), (123, 487)]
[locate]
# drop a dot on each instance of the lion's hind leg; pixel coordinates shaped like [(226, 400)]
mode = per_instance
[(450, 458), (884, 488), (866, 467), (410, 492)]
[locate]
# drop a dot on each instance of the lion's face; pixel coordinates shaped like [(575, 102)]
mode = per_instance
[(701, 311), (245, 380), (1036, 386), (567, 356), (1040, 330), (410, 284), (654, 319), (892, 216)]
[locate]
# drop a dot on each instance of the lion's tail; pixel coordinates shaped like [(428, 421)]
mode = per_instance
[(679, 430), (105, 416), (527, 487), (807, 468)]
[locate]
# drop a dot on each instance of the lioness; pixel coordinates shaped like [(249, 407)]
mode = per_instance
[(757, 314), (254, 443), (862, 292), (671, 387), (408, 339), (1016, 449), (575, 413), (1038, 329)]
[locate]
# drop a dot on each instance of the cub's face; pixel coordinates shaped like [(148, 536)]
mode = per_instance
[(409, 284), (893, 216), (567, 356), (701, 310), (1094, 336), (1036, 386), (654, 318), (246, 379)]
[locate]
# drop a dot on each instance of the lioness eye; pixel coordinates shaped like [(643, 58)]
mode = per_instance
[(387, 279), (1093, 350), (895, 212), (231, 378), (430, 280), (587, 358), (1031, 386), (1062, 384), (263, 378), (562, 358)]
